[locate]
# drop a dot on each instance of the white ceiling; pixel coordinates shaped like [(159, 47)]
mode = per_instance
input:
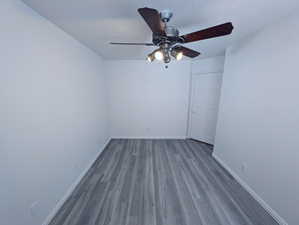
[(97, 22)]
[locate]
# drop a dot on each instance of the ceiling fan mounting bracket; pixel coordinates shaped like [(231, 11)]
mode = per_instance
[(166, 15)]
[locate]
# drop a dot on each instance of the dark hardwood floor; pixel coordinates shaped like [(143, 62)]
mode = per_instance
[(159, 182)]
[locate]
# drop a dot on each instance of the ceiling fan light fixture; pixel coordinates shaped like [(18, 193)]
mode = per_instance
[(150, 57), (179, 56), (167, 58), (159, 55)]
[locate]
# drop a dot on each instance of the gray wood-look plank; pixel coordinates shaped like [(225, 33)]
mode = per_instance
[(159, 182)]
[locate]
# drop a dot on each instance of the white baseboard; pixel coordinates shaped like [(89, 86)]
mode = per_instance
[(265, 205), (72, 187), (143, 137)]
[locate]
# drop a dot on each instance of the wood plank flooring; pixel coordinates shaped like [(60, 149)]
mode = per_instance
[(159, 182)]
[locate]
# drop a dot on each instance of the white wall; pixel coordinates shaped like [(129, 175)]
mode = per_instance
[(147, 100), (52, 113), (208, 65), (259, 115)]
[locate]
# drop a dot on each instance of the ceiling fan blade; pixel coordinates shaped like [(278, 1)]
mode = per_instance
[(153, 20), (186, 51), (128, 43), (212, 32)]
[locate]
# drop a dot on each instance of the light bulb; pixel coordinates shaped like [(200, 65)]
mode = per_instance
[(179, 56), (159, 55), (150, 57)]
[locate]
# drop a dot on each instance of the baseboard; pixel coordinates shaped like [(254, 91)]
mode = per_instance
[(212, 145), (72, 187), (149, 137), (265, 205)]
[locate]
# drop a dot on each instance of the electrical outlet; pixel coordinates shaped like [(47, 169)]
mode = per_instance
[(33, 210)]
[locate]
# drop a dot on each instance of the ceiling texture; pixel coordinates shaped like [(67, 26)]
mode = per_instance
[(97, 22)]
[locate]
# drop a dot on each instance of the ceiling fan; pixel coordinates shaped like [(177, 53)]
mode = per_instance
[(168, 39)]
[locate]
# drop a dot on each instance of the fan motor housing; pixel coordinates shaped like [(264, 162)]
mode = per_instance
[(171, 31)]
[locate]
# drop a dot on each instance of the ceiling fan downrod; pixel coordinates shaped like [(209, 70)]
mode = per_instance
[(166, 15)]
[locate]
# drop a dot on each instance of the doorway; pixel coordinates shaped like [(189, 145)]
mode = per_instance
[(204, 103)]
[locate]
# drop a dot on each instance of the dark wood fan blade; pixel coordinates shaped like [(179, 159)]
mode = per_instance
[(126, 43), (153, 20), (212, 32), (187, 51)]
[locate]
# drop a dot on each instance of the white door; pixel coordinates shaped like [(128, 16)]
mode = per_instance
[(204, 106)]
